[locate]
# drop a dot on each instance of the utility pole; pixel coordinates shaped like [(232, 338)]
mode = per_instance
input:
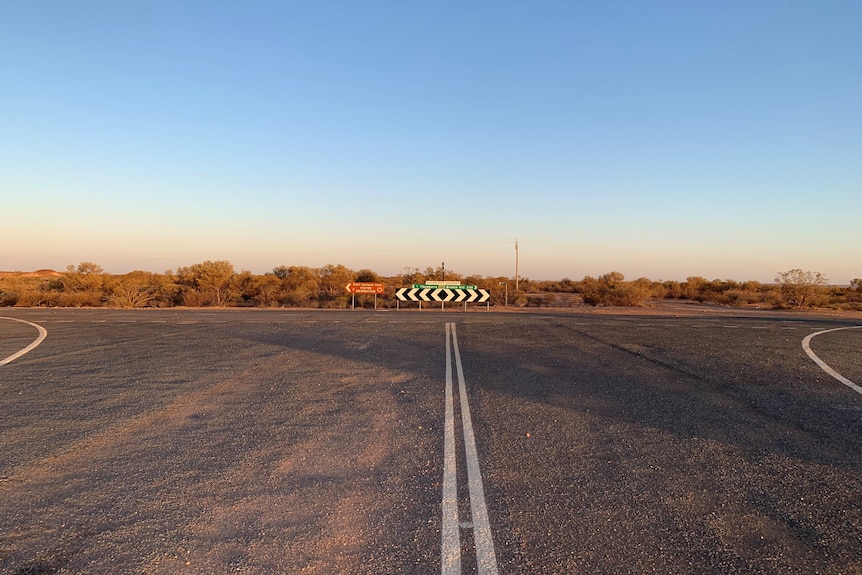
[(442, 278), (516, 266)]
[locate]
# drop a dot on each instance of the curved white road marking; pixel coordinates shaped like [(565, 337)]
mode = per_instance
[(822, 364), (43, 333)]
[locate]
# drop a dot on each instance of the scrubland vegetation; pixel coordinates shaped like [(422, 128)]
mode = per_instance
[(217, 283)]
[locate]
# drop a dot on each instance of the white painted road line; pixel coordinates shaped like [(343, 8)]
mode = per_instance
[(451, 543), (806, 346), (486, 559), (43, 333)]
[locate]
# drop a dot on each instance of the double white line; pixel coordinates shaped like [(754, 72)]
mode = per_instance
[(451, 541)]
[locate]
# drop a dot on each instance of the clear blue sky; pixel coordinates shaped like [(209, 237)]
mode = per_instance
[(659, 139)]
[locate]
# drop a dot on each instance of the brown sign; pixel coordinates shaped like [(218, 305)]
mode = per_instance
[(365, 287)]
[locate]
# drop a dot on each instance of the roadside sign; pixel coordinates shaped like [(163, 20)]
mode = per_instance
[(455, 285), (365, 287), (446, 283), (436, 293)]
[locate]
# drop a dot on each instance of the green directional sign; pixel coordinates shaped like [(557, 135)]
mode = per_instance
[(435, 286)]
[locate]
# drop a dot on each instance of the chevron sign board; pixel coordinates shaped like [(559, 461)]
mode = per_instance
[(443, 294)]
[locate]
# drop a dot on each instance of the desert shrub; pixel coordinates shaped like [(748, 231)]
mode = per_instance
[(629, 294), (8, 299), (741, 297), (193, 298), (339, 302), (672, 290), (611, 289), (536, 301), (799, 288), (366, 275), (134, 290), (691, 288), (299, 297), (212, 280), (591, 291), (332, 279), (268, 290), (81, 298), (33, 294), (86, 277)]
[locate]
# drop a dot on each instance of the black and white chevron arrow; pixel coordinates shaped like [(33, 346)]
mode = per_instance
[(443, 294)]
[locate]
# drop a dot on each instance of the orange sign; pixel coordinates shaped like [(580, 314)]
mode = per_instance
[(365, 287)]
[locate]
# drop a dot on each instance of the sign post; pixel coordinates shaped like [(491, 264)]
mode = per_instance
[(354, 288)]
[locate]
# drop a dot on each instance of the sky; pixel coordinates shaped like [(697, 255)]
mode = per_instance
[(659, 139)]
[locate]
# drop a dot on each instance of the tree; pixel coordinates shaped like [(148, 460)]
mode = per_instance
[(799, 288), (612, 289), (611, 279), (87, 276), (280, 272), (591, 291), (269, 289), (333, 278), (134, 289), (410, 276), (692, 287), (210, 279), (243, 288), (302, 285), (367, 275)]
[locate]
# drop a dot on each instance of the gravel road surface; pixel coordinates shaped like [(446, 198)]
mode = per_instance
[(284, 441)]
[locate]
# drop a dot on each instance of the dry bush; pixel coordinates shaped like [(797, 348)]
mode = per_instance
[(133, 290), (193, 298), (536, 301), (610, 289), (739, 298), (339, 302), (8, 298), (81, 298), (801, 288), (628, 294), (268, 290)]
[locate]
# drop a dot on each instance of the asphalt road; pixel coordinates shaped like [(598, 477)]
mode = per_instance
[(251, 441)]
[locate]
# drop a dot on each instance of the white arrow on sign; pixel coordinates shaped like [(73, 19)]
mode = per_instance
[(443, 294), (462, 295)]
